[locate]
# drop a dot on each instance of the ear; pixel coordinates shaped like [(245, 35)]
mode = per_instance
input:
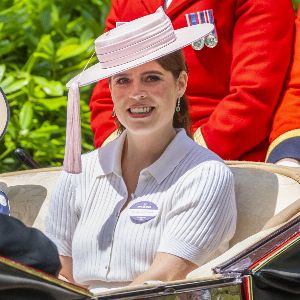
[(182, 83)]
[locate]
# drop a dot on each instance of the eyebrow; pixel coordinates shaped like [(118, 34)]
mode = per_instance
[(144, 73)]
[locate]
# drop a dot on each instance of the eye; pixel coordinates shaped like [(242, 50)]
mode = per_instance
[(152, 78), (122, 81)]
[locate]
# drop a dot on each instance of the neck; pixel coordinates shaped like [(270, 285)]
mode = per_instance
[(139, 152), (143, 150)]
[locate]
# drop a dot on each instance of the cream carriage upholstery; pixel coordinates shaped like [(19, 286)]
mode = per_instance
[(262, 191), (29, 193)]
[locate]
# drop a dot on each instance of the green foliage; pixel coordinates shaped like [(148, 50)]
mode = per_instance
[(296, 4), (42, 45)]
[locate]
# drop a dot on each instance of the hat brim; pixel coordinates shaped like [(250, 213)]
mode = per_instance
[(4, 113), (184, 37)]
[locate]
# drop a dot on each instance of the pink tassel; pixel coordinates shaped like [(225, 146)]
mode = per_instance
[(72, 159)]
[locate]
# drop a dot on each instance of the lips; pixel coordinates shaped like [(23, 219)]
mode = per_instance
[(140, 110)]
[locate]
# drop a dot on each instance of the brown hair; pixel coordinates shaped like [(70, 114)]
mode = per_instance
[(174, 63)]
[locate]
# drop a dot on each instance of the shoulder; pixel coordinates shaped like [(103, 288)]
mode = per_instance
[(200, 156), (204, 171), (203, 167), (210, 171), (101, 161), (193, 158), (90, 157), (90, 164)]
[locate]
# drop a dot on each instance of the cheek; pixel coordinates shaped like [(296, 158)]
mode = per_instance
[(164, 91), (169, 96), (113, 94), (116, 97)]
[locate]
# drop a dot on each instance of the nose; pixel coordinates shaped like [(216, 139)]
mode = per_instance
[(137, 91)]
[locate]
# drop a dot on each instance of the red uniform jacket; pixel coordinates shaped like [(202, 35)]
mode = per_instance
[(233, 88), (285, 135)]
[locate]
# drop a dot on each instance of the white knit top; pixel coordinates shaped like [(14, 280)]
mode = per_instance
[(183, 205)]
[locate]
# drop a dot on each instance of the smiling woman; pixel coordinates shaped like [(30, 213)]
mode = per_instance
[(175, 64), (152, 204)]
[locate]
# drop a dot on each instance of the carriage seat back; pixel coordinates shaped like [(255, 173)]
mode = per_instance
[(262, 190), (29, 194)]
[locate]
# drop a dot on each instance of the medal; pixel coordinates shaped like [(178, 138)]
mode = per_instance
[(211, 41), (201, 17), (199, 44)]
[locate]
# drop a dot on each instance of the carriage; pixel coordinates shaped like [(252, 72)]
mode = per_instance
[(261, 263)]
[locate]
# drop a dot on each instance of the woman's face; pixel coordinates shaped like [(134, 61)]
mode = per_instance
[(145, 97)]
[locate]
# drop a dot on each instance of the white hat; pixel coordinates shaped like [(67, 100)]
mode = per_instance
[(4, 113), (124, 47), (137, 42)]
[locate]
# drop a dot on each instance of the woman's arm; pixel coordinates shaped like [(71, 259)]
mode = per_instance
[(201, 221), (166, 267), (66, 272), (61, 222)]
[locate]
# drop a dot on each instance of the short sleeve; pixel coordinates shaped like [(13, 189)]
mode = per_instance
[(203, 216), (62, 217)]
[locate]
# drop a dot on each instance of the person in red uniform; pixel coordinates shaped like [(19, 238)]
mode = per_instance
[(233, 87), (285, 135)]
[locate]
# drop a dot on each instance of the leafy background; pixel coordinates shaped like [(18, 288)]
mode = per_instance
[(42, 45)]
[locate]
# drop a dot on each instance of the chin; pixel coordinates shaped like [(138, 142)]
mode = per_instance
[(141, 130)]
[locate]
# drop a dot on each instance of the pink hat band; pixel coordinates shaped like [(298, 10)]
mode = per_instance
[(118, 47)]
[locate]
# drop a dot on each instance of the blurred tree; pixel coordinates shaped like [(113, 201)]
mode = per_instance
[(42, 45)]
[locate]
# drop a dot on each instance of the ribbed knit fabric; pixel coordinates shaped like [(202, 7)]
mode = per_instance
[(196, 216)]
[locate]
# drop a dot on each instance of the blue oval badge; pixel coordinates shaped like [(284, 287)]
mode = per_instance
[(142, 211), (4, 204)]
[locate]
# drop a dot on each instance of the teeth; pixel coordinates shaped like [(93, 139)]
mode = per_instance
[(140, 110)]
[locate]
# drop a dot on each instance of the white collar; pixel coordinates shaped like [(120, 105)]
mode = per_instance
[(110, 156)]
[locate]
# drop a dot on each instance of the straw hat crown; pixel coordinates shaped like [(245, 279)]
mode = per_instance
[(134, 40)]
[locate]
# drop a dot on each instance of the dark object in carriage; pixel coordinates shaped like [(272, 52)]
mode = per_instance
[(28, 246), (270, 269), (19, 282), (26, 159)]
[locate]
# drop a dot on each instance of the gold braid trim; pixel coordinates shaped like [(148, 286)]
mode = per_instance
[(110, 138), (199, 139), (282, 138), (45, 277)]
